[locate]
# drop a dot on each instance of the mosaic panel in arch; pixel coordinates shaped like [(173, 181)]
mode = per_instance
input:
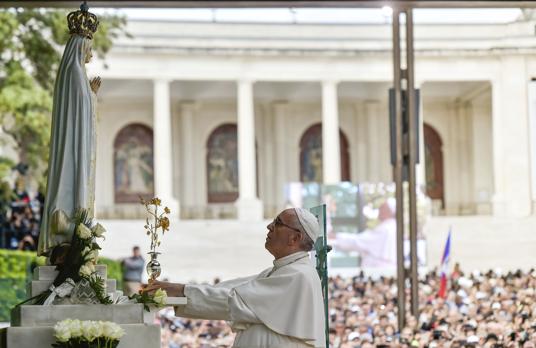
[(133, 164), (222, 164), (311, 155)]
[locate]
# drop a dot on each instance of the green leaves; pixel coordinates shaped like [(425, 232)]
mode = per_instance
[(145, 299), (97, 284), (82, 216)]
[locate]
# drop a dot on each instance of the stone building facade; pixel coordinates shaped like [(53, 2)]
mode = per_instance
[(215, 118)]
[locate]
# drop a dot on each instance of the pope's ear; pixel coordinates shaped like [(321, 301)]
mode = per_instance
[(294, 237)]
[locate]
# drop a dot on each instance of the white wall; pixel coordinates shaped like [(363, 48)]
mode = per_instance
[(112, 116), (465, 130)]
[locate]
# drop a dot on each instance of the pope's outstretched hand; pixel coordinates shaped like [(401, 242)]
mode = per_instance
[(172, 289)]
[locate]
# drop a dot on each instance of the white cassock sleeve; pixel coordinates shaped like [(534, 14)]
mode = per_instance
[(352, 241), (217, 302)]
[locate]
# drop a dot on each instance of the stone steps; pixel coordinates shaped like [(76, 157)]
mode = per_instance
[(136, 335), (31, 316), (33, 326), (50, 273), (35, 287)]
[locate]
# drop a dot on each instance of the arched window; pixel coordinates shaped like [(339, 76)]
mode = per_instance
[(222, 164), (311, 155), (133, 164), (433, 153)]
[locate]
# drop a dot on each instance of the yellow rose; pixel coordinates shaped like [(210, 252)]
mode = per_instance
[(164, 222)]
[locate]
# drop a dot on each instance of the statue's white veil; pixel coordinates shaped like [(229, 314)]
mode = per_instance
[(71, 164)]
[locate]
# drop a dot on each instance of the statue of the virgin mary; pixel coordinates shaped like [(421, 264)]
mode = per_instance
[(71, 164)]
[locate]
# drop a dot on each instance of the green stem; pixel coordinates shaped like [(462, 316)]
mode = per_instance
[(155, 225)]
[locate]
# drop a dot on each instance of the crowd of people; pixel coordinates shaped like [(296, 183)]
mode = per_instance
[(489, 310), (19, 224)]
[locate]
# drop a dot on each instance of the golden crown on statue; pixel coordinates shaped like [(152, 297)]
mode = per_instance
[(82, 22)]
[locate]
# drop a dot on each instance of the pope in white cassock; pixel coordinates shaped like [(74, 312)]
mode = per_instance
[(280, 307)]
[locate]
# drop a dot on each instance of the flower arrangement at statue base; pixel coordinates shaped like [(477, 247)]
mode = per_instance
[(77, 280), (87, 334)]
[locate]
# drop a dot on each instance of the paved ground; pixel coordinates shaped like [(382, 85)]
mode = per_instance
[(203, 249)]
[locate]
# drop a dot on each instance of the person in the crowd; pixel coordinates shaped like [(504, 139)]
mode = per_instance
[(132, 272), (280, 307)]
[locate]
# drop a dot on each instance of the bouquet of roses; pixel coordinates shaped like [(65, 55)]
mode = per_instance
[(159, 299), (79, 264), (87, 334)]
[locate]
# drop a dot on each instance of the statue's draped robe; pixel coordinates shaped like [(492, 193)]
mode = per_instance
[(280, 307), (71, 164)]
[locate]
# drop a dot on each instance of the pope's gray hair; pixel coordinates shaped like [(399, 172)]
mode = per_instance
[(306, 243)]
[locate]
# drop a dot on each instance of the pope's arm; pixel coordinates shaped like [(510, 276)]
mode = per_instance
[(215, 303)]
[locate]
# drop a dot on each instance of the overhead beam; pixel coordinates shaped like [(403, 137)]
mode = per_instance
[(274, 4)]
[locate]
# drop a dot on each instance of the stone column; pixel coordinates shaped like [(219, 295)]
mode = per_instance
[(372, 110), (189, 179), (248, 205), (532, 117), (511, 156), (464, 170), (280, 110), (331, 152), (361, 143), (163, 170)]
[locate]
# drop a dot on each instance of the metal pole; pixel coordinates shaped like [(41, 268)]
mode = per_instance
[(413, 148), (397, 77)]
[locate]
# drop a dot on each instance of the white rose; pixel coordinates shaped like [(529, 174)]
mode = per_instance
[(112, 330), (160, 297), (83, 232), (87, 269), (107, 329), (90, 330), (98, 230), (75, 327), (93, 255), (62, 332), (117, 332)]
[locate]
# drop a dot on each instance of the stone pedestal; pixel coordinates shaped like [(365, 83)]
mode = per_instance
[(33, 326)]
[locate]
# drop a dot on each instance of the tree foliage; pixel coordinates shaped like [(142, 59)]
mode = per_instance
[(31, 44)]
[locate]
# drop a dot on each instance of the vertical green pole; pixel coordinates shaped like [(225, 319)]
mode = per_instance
[(322, 250)]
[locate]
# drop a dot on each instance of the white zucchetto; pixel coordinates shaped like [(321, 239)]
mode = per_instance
[(308, 222)]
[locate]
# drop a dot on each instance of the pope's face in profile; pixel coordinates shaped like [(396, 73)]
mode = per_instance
[(279, 237)]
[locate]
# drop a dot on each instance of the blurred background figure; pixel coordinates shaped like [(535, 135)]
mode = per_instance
[(132, 271), (376, 246)]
